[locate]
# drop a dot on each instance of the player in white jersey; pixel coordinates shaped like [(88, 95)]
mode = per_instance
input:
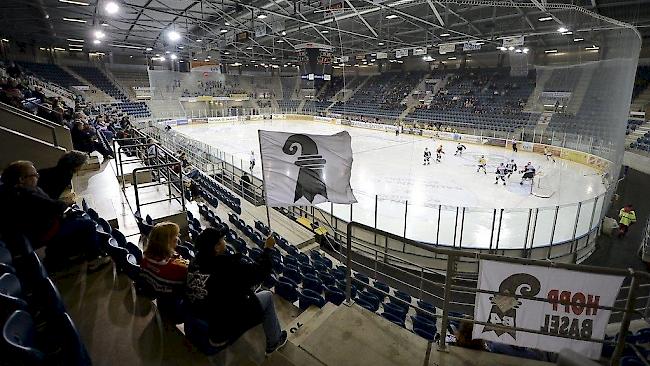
[(439, 153), (459, 149), (511, 167), (482, 163), (548, 154), (501, 173), (529, 173), (427, 156)]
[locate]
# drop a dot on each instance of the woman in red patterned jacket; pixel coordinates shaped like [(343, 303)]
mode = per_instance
[(163, 268)]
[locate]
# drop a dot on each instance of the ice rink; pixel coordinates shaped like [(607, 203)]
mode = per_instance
[(391, 167)]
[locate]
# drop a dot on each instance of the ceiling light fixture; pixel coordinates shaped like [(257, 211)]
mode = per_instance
[(325, 31), (224, 31), (545, 19), (592, 48), (261, 16), (284, 33), (391, 16), (550, 51), (380, 44), (562, 30), (199, 40), (578, 39), (74, 2), (58, 49), (451, 58), (163, 59), (104, 24), (99, 34), (126, 46), (76, 40), (149, 49), (526, 50), (97, 41), (173, 35), (280, 41), (511, 48), (173, 56), (75, 45), (567, 33), (249, 48), (75, 20), (111, 7), (75, 49), (444, 35)]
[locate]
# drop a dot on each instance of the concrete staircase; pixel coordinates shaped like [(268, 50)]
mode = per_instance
[(347, 95), (109, 75), (412, 101), (532, 103), (578, 93), (639, 132)]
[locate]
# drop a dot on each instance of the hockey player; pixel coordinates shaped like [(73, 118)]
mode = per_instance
[(459, 149), (501, 174), (252, 161), (549, 154), (529, 173), (482, 163), (439, 153), (427, 156), (511, 167)]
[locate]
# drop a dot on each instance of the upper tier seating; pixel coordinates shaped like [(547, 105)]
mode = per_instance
[(486, 99), (135, 109), (51, 73), (288, 85), (98, 79)]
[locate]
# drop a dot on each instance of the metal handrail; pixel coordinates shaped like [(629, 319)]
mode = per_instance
[(452, 257), (134, 177)]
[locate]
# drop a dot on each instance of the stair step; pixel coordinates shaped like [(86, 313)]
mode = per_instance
[(308, 321)]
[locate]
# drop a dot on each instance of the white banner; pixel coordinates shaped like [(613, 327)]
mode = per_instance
[(419, 51), (446, 48), (471, 46), (513, 41), (302, 170), (561, 287), (382, 55), (401, 52)]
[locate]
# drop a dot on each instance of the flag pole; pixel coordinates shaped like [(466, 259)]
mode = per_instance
[(266, 198)]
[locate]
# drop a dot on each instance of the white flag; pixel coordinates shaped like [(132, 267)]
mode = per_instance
[(303, 170)]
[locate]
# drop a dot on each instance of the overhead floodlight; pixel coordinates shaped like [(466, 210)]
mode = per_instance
[(99, 34), (195, 59), (545, 19), (224, 31), (567, 33), (104, 24), (578, 39), (511, 48), (149, 49), (163, 59), (562, 30), (58, 49), (391, 16), (207, 60), (526, 50), (173, 56), (592, 48), (180, 47), (76, 40), (75, 20), (111, 7), (173, 35), (502, 48), (380, 44), (261, 16), (97, 41), (75, 45), (249, 48), (445, 35), (550, 51), (82, 3), (199, 40), (75, 49), (280, 41), (273, 58), (284, 33), (325, 31), (451, 58), (226, 53), (518, 50)]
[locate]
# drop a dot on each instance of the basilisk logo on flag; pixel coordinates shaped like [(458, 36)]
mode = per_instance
[(303, 170)]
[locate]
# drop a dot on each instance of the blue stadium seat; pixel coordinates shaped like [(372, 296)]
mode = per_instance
[(310, 281), (393, 318), (396, 310), (334, 295), (292, 273), (287, 289), (360, 277), (196, 331), (19, 338), (424, 324), (403, 296), (424, 334), (307, 298), (11, 296), (370, 298)]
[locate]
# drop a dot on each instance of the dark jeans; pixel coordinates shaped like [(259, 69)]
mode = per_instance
[(76, 237)]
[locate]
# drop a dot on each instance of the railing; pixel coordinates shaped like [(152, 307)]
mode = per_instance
[(164, 167), (452, 290)]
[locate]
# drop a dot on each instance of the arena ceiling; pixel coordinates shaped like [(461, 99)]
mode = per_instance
[(275, 27)]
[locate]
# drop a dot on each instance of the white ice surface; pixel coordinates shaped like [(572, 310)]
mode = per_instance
[(391, 167)]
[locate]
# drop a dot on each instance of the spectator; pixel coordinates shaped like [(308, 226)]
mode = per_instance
[(627, 217), (464, 336), (162, 267), (219, 290), (84, 139), (246, 184), (45, 222), (54, 181)]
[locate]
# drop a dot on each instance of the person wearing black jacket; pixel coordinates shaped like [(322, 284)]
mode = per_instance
[(29, 211), (219, 289), (55, 180)]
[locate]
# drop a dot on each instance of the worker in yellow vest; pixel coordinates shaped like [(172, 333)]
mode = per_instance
[(627, 217)]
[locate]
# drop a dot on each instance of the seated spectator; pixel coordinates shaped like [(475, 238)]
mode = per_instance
[(54, 181), (219, 290), (65, 233), (84, 139), (464, 336), (246, 184), (162, 267)]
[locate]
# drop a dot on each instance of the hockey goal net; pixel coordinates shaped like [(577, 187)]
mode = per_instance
[(541, 186)]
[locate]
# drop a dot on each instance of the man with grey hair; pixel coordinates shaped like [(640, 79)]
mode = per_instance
[(55, 180)]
